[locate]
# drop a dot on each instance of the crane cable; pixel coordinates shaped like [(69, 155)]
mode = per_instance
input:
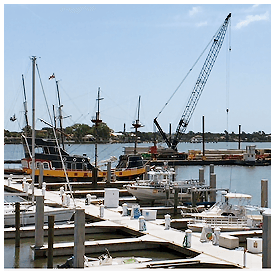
[(187, 73), (228, 76)]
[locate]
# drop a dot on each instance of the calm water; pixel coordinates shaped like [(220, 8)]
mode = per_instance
[(240, 179)]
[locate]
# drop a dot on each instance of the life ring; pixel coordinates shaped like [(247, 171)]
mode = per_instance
[(74, 159)]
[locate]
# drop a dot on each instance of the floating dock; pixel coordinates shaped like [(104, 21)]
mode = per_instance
[(199, 254)]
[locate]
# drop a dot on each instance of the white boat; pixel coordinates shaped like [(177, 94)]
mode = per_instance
[(104, 260), (226, 215), (161, 186), (27, 214)]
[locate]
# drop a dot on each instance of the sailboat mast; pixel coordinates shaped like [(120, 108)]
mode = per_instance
[(60, 114), (97, 121), (25, 106), (33, 125), (136, 126)]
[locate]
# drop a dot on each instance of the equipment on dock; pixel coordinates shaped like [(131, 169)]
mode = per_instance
[(198, 88)]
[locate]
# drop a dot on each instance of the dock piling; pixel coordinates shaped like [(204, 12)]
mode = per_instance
[(176, 196), (39, 222), (264, 193), (266, 254), (17, 224), (40, 177), (109, 173), (79, 238), (201, 175), (212, 187), (50, 241)]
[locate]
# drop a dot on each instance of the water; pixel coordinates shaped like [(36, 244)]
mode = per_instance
[(241, 179)]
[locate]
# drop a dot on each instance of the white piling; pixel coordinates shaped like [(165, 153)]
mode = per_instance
[(217, 233), (187, 238)]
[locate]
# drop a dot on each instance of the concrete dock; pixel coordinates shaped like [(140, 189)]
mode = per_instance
[(205, 254)]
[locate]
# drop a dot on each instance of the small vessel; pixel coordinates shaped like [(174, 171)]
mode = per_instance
[(27, 213), (105, 259), (226, 215), (161, 185)]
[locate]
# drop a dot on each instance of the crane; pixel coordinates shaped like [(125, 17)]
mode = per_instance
[(198, 88)]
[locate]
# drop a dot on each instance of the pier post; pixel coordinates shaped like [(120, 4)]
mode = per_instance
[(39, 224), (17, 224), (213, 186), (239, 143), (50, 241), (109, 173), (201, 175), (40, 178), (211, 170), (266, 254), (94, 176), (264, 193), (79, 238), (176, 196)]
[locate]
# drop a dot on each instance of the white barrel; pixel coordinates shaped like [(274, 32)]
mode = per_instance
[(217, 233), (101, 211), (167, 219), (124, 209), (141, 223), (188, 235)]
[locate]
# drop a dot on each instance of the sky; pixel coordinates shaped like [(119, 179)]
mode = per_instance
[(138, 50)]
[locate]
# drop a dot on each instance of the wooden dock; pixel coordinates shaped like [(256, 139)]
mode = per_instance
[(205, 254)]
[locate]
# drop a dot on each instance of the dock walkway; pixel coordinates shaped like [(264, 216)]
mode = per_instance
[(154, 231)]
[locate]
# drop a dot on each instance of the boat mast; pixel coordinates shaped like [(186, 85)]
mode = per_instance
[(33, 58), (60, 114), (25, 107), (97, 121), (137, 125)]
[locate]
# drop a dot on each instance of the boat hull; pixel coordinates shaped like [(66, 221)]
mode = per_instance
[(147, 193), (28, 217)]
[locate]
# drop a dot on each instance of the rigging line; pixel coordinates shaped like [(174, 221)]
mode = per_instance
[(187, 74), (227, 88), (44, 94)]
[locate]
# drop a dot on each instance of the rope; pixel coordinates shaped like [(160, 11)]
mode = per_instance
[(44, 94)]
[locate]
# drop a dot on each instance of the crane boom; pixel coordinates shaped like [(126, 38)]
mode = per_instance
[(199, 86)]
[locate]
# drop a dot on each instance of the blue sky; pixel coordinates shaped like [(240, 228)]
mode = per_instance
[(132, 50)]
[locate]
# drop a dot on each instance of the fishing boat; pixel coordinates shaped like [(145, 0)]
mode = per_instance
[(229, 214), (161, 185)]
